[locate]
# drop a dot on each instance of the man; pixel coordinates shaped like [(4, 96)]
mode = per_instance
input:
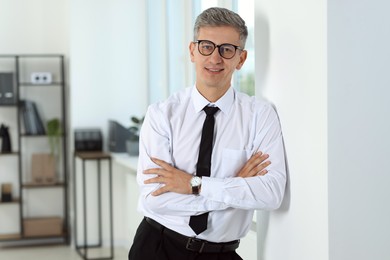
[(203, 171)]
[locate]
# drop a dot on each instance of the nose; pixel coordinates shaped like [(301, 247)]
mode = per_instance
[(215, 57)]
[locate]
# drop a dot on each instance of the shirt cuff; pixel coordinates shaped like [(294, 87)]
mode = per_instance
[(212, 188)]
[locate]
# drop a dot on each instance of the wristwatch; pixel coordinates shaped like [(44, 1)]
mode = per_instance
[(196, 183)]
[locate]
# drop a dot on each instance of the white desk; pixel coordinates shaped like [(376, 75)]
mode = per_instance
[(126, 160), (126, 193)]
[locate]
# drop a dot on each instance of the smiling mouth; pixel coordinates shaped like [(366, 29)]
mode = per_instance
[(214, 70)]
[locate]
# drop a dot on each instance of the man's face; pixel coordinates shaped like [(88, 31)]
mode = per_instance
[(213, 71)]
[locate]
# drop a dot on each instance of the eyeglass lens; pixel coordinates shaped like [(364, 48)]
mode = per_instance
[(227, 51)]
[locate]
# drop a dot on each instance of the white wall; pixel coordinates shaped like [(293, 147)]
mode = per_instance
[(290, 40), (108, 65), (359, 127), (324, 64), (39, 26)]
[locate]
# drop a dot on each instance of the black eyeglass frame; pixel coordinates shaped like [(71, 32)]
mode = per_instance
[(218, 47)]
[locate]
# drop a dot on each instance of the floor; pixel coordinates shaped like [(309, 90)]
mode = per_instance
[(52, 252)]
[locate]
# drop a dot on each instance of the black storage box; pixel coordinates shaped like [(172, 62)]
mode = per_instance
[(88, 140)]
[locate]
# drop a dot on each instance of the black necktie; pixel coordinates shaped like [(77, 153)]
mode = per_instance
[(199, 223)]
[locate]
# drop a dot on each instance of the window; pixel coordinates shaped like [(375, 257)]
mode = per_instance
[(245, 78), (168, 39)]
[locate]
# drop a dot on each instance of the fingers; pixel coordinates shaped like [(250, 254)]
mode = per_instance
[(158, 171), (255, 160), (255, 166), (258, 158), (158, 179), (161, 163), (261, 168), (160, 191), (164, 170)]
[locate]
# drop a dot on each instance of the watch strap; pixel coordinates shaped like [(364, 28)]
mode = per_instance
[(195, 190)]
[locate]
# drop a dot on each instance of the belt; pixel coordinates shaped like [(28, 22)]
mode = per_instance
[(192, 243)]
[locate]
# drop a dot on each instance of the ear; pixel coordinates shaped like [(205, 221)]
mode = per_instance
[(191, 47), (243, 56)]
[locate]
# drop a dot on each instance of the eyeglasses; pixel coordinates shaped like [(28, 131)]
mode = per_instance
[(226, 50)]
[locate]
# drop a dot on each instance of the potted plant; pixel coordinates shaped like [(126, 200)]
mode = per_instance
[(54, 133), (132, 144)]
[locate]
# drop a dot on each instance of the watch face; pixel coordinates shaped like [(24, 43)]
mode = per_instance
[(196, 181)]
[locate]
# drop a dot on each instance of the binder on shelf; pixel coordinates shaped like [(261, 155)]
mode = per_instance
[(32, 121), (7, 89), (24, 116), (38, 120)]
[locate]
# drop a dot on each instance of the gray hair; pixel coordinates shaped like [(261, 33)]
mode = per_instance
[(216, 16)]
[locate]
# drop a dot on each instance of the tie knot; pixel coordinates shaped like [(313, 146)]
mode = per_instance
[(210, 111)]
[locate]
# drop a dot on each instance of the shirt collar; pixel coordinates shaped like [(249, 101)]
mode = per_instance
[(224, 103)]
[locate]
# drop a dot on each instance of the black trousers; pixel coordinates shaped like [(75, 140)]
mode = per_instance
[(151, 244)]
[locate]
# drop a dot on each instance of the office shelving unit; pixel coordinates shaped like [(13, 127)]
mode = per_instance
[(32, 200)]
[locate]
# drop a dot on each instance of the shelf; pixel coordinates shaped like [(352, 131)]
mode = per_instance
[(53, 55), (46, 97), (10, 236), (8, 105), (93, 155), (39, 55), (63, 235), (14, 201), (9, 154), (33, 135), (41, 185), (15, 237), (29, 84), (36, 135)]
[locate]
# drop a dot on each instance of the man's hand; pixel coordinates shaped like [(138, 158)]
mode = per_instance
[(255, 166), (174, 180)]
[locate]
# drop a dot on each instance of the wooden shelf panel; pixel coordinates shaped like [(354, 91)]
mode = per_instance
[(14, 201), (29, 84), (44, 236), (93, 155), (33, 135), (15, 237), (41, 185), (8, 154), (38, 135), (10, 236), (8, 105)]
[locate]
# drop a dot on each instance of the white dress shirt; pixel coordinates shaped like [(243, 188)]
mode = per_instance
[(171, 132)]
